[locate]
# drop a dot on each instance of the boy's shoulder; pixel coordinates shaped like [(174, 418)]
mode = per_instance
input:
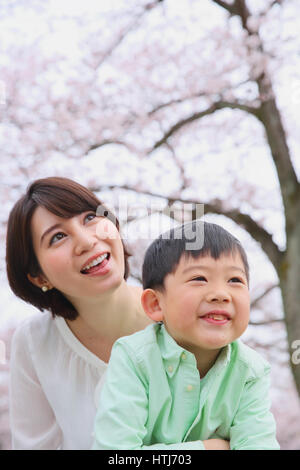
[(256, 364), (140, 339)]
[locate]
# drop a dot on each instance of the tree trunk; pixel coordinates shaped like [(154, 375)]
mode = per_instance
[(290, 288)]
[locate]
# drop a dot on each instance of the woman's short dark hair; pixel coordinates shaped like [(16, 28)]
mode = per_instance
[(64, 198), (163, 255)]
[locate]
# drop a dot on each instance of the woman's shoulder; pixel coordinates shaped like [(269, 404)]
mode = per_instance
[(31, 338), (34, 323), (33, 329)]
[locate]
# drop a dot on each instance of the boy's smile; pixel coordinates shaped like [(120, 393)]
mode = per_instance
[(218, 317), (205, 304)]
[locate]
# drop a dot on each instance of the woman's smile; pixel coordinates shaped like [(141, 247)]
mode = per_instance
[(97, 265)]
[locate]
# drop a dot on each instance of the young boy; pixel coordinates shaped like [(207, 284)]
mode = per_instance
[(186, 382)]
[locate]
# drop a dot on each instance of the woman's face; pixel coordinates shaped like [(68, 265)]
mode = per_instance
[(82, 256)]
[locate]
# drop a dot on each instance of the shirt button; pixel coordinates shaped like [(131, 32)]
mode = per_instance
[(170, 368), (189, 388), (183, 356)]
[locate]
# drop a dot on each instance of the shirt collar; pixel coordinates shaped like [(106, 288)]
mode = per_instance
[(168, 346), (172, 353)]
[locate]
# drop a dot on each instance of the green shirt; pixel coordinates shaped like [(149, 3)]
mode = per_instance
[(153, 397)]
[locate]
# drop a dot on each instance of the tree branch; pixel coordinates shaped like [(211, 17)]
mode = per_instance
[(276, 2), (109, 142), (179, 100), (256, 231), (192, 97), (255, 302), (194, 117), (270, 117), (149, 6), (237, 8), (227, 6)]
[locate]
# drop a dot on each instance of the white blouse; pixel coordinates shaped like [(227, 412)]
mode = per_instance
[(53, 386)]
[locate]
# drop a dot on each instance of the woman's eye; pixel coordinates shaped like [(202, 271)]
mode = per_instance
[(56, 237), (90, 216)]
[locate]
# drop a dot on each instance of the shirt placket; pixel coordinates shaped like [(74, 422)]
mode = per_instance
[(204, 389), (190, 387)]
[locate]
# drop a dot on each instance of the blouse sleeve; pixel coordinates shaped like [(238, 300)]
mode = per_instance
[(32, 421)]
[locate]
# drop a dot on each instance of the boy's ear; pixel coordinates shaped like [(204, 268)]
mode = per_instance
[(151, 304)]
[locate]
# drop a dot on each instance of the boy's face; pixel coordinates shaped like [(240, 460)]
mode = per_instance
[(206, 303)]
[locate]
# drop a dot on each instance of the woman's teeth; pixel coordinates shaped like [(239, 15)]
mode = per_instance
[(95, 262)]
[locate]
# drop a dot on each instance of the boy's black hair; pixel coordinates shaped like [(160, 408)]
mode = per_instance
[(164, 254)]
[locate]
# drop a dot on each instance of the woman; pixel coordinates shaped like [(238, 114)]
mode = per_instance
[(65, 259)]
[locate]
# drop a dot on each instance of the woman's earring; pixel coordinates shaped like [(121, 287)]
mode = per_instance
[(45, 288)]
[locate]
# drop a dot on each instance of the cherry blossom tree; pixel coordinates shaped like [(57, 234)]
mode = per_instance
[(264, 108)]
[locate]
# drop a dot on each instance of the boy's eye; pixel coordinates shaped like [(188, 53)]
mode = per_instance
[(235, 279), (199, 278)]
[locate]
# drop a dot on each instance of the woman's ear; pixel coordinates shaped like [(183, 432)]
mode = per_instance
[(39, 281), (151, 304)]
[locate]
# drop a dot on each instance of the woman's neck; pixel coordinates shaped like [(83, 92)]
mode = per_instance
[(118, 313)]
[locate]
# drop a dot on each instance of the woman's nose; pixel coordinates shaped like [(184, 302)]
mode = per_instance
[(84, 241)]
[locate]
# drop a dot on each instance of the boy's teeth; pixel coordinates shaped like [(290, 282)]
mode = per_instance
[(95, 262), (217, 317)]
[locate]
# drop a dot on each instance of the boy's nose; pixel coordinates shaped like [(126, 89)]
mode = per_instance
[(218, 296)]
